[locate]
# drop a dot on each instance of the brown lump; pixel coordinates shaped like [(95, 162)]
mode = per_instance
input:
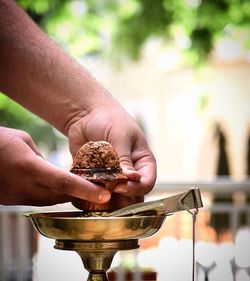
[(98, 162), (99, 154)]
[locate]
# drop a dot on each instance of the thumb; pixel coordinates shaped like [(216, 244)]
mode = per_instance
[(126, 162)]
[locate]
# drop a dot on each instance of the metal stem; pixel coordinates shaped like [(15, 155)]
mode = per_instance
[(97, 276)]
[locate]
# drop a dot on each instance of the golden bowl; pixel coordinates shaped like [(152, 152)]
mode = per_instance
[(75, 226)]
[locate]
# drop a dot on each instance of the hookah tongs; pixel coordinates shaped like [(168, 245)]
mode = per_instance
[(184, 201)]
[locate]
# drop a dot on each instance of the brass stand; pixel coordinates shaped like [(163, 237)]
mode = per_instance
[(96, 256), (97, 238)]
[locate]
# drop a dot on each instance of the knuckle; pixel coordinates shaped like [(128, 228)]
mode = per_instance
[(24, 135), (125, 160)]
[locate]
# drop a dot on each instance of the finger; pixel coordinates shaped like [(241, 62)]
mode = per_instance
[(132, 174), (41, 197), (145, 163), (28, 140), (19, 192), (65, 182), (123, 149), (124, 153), (76, 137), (33, 146), (142, 187)]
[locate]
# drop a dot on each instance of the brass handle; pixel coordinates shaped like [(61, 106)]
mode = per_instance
[(184, 201)]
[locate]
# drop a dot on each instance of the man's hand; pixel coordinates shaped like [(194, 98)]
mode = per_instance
[(110, 122), (26, 178), (74, 103)]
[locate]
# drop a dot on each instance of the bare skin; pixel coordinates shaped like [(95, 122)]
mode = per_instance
[(39, 75)]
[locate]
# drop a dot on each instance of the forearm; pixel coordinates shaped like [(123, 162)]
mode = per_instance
[(38, 74)]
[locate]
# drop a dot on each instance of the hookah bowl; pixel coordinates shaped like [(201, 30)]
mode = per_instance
[(95, 239)]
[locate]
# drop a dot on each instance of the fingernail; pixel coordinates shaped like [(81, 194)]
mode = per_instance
[(104, 196), (129, 168), (121, 190)]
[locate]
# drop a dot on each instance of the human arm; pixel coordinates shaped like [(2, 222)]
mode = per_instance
[(38, 74)]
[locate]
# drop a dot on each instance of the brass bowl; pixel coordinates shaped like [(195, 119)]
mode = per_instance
[(74, 226)]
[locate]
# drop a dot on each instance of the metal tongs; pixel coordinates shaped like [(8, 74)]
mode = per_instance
[(184, 201)]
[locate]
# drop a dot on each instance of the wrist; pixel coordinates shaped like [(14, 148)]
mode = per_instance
[(94, 98)]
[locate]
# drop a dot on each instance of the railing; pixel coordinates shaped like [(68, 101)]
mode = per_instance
[(16, 243), (18, 239)]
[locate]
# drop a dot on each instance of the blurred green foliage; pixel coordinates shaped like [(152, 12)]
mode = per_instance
[(120, 28), (123, 26), (13, 115)]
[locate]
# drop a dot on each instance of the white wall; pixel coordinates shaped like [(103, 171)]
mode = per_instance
[(167, 102)]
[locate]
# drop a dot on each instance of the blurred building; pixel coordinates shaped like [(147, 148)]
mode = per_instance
[(179, 109)]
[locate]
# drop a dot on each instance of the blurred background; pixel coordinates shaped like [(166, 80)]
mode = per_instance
[(181, 68)]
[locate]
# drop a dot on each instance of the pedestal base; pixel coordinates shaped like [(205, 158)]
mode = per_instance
[(97, 256)]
